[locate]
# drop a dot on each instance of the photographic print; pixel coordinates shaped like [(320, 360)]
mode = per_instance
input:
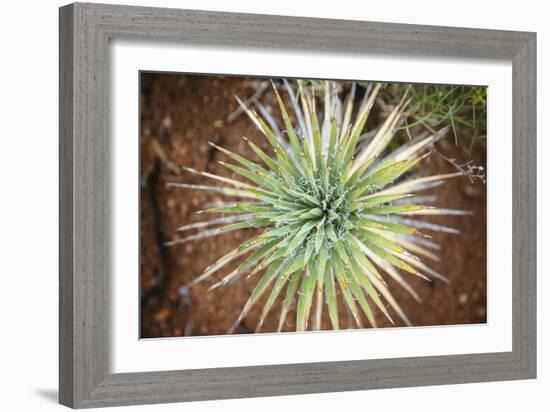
[(272, 205)]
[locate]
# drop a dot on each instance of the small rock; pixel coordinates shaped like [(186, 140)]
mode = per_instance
[(162, 314), (167, 122), (481, 312), (463, 298), (472, 190), (183, 291)]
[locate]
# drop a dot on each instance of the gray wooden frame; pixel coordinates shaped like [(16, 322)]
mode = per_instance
[(85, 31)]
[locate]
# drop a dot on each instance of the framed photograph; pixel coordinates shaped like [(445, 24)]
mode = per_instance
[(257, 205)]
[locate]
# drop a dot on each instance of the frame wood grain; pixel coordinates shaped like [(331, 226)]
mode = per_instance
[(85, 31)]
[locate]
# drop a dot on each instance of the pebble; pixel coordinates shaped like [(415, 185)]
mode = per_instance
[(472, 190), (167, 122), (162, 314)]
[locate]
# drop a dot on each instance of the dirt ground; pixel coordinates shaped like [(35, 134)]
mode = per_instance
[(179, 115)]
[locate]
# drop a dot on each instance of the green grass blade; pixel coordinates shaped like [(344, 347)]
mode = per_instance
[(393, 210), (319, 297), (388, 257), (391, 227), (304, 301), (371, 201), (273, 272), (294, 143), (279, 284), (330, 296), (344, 288), (289, 298), (257, 255)]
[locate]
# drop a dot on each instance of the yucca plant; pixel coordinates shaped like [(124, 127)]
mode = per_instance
[(336, 213)]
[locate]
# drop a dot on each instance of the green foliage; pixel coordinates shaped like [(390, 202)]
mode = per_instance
[(463, 108), (330, 208)]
